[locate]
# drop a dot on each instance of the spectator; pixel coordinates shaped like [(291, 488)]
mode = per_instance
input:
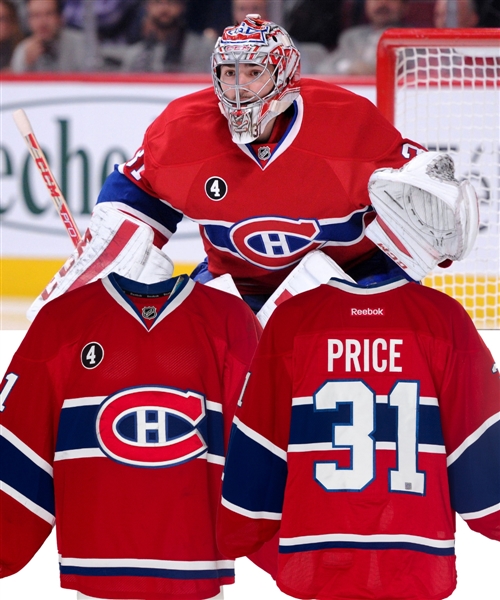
[(467, 13), (357, 50), (239, 10), (489, 13), (315, 21), (168, 45), (242, 8), (10, 32), (116, 20), (311, 53), (51, 46), (209, 15), (461, 14)]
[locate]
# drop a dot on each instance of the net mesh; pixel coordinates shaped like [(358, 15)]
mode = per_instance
[(448, 99)]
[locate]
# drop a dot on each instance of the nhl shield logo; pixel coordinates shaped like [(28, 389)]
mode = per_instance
[(264, 153), (152, 426), (149, 312)]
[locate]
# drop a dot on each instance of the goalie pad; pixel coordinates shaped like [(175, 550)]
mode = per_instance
[(313, 270), (424, 215), (114, 242)]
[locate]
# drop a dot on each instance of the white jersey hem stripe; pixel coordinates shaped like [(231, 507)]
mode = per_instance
[(146, 563), (368, 539)]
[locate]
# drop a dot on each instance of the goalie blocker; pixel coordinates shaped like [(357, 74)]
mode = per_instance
[(424, 215), (115, 242)]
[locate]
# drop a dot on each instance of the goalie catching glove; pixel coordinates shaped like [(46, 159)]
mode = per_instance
[(115, 242), (424, 215)]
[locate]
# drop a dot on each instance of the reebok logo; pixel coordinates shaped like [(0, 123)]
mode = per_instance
[(366, 311)]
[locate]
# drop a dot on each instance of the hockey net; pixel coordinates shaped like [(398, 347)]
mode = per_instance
[(440, 87)]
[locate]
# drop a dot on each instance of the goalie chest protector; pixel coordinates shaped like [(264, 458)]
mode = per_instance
[(115, 417)]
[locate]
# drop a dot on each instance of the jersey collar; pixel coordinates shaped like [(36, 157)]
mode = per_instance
[(285, 141), (178, 288), (376, 288)]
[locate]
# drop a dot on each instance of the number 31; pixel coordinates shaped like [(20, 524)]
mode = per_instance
[(358, 437)]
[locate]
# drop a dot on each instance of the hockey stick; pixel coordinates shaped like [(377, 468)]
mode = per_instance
[(24, 126)]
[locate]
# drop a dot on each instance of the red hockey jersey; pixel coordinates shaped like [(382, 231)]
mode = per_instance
[(116, 411), (261, 209), (370, 417)]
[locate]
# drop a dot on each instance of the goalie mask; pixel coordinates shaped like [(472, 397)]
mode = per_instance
[(250, 99)]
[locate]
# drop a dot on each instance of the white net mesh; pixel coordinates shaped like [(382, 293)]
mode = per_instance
[(448, 99)]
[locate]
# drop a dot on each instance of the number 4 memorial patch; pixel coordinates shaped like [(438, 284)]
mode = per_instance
[(216, 188), (92, 355)]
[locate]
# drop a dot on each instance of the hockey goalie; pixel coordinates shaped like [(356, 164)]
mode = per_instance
[(273, 168)]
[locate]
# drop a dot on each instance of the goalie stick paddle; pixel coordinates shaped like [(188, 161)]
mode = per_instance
[(24, 126)]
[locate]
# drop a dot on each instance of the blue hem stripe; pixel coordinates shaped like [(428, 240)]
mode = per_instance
[(151, 572), (368, 546)]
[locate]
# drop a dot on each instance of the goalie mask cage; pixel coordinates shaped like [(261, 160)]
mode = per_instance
[(440, 87)]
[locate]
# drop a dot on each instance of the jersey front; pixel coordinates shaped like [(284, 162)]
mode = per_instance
[(115, 416), (371, 415), (261, 208)]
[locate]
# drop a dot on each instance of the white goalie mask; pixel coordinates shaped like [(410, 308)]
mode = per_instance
[(247, 106)]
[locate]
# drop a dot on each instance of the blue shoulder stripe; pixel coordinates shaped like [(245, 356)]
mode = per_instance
[(118, 188), (19, 472), (254, 477), (475, 475)]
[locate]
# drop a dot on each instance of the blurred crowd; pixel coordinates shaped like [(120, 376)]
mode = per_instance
[(337, 37)]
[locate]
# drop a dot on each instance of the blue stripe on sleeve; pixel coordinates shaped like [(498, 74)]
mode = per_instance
[(475, 476), (21, 473), (254, 477), (118, 188)]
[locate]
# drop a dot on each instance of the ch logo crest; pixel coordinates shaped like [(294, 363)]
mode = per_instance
[(244, 33), (152, 426), (275, 242)]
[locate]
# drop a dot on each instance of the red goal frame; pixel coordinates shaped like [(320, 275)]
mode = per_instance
[(439, 38)]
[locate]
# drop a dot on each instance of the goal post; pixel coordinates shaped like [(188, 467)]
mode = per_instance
[(441, 88)]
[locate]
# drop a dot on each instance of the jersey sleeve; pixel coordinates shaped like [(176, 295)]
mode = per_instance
[(241, 348), (28, 424), (125, 190), (256, 466), (470, 408)]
